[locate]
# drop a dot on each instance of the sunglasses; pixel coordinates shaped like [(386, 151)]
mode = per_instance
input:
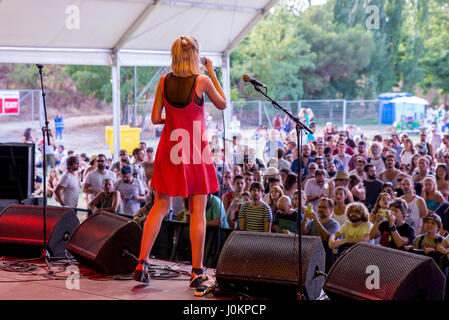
[(100, 160)]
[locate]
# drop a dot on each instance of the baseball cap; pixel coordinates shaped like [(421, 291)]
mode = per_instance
[(434, 217)]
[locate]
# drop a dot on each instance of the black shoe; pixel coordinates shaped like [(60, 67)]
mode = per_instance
[(197, 277), (141, 274)]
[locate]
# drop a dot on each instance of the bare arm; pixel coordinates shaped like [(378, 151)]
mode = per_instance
[(156, 115), (212, 87), (58, 191)]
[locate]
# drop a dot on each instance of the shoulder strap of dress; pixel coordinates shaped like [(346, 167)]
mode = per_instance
[(163, 85), (194, 88)]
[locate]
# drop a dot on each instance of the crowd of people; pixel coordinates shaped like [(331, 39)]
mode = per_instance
[(388, 191)]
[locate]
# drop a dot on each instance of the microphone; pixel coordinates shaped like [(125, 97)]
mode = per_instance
[(204, 63), (253, 81)]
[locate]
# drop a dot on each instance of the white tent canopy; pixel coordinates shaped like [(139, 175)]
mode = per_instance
[(411, 100), (123, 33)]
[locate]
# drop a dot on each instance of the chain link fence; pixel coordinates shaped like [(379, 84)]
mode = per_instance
[(340, 112)]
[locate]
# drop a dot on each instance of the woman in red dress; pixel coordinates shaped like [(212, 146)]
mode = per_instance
[(183, 165)]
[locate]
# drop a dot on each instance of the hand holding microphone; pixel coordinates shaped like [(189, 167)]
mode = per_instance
[(207, 63)]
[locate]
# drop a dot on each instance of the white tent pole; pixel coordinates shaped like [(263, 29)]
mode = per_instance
[(116, 104), (226, 80)]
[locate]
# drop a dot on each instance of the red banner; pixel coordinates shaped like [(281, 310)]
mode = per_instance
[(9, 102)]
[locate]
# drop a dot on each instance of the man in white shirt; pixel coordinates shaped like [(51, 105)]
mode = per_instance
[(132, 191), (317, 188), (94, 179), (68, 189)]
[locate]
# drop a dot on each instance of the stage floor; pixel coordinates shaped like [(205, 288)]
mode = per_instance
[(37, 285)]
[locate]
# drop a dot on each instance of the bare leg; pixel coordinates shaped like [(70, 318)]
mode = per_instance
[(153, 224), (197, 228)]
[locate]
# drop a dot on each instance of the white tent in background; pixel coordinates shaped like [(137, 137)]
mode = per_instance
[(410, 107), (123, 33)]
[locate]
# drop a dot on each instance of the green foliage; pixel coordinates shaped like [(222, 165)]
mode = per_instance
[(274, 54)]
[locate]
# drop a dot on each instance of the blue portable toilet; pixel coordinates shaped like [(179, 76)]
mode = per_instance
[(387, 109)]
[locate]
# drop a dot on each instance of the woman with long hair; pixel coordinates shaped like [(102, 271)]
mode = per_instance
[(339, 205), (184, 164), (442, 174), (27, 137), (382, 202), (430, 194), (275, 194), (407, 152), (52, 182), (413, 164)]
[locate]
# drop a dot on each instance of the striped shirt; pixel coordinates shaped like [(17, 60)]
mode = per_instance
[(255, 217)]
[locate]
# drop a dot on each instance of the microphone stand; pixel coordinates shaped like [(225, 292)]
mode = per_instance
[(45, 133), (299, 128)]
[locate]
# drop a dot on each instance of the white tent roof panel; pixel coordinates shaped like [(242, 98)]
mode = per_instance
[(47, 31)]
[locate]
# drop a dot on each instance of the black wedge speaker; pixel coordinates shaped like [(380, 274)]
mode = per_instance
[(267, 264), (370, 272), (107, 243)]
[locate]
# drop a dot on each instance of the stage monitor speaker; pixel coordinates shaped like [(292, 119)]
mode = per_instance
[(102, 240), (372, 272), (267, 264), (22, 229), (17, 173)]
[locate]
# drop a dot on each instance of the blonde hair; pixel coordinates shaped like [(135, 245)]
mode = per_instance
[(185, 53), (277, 189)]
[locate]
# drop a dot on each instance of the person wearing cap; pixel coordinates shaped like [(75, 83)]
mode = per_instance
[(341, 179), (431, 238), (359, 165), (37, 186), (391, 227), (132, 191), (390, 174)]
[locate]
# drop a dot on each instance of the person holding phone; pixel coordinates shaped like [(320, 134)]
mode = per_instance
[(183, 165), (391, 227)]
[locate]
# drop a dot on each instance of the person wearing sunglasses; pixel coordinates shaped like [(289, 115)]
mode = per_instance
[(93, 183)]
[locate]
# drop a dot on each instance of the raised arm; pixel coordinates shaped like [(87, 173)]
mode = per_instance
[(212, 87)]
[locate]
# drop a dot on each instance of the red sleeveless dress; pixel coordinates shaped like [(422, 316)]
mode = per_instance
[(183, 164)]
